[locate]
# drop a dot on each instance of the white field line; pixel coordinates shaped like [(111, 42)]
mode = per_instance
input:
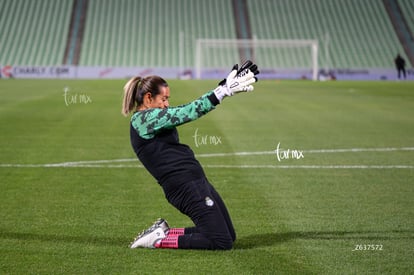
[(315, 166), (247, 166), (110, 163), (314, 151), (356, 150)]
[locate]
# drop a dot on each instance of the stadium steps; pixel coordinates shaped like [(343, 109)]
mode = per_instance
[(242, 25), (401, 13), (33, 32), (241, 17), (75, 34), (358, 32), (407, 8)]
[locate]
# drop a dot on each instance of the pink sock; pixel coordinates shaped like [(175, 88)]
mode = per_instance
[(176, 232), (168, 242)]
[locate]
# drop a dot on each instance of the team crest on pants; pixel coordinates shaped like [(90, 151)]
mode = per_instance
[(209, 202)]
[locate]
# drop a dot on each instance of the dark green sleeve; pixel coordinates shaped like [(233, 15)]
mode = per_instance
[(149, 122)]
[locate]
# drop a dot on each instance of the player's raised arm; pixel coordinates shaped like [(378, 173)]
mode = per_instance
[(150, 98)]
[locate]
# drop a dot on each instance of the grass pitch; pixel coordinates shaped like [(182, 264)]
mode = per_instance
[(73, 195)]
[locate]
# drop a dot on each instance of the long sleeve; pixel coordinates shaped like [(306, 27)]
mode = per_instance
[(150, 122)]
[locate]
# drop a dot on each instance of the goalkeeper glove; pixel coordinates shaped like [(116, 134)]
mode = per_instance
[(239, 80), (246, 65)]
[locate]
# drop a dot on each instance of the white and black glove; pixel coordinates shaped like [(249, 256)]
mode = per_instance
[(239, 80)]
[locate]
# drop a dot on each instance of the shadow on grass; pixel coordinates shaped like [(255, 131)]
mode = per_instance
[(111, 241), (247, 242), (270, 239)]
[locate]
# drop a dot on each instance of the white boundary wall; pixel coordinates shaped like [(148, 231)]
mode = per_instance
[(69, 72)]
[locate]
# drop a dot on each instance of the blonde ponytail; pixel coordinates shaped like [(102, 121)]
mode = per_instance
[(137, 87), (130, 90)]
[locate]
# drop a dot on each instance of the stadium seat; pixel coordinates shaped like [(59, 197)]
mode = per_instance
[(407, 8), (351, 34), (37, 36), (150, 33)]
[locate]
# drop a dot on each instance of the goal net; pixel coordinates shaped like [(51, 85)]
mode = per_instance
[(275, 58)]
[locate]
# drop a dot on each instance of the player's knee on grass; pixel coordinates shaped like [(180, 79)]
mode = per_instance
[(224, 245)]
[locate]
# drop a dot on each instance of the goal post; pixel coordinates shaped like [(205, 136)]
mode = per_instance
[(280, 57)]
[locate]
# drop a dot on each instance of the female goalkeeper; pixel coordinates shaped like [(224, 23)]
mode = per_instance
[(154, 138)]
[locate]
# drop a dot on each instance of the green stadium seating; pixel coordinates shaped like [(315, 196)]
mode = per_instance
[(358, 33), (34, 32), (148, 33), (351, 34), (407, 7)]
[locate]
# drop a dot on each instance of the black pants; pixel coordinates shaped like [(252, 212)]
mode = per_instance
[(401, 70), (200, 201)]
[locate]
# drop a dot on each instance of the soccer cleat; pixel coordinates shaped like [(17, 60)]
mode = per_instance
[(149, 237)]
